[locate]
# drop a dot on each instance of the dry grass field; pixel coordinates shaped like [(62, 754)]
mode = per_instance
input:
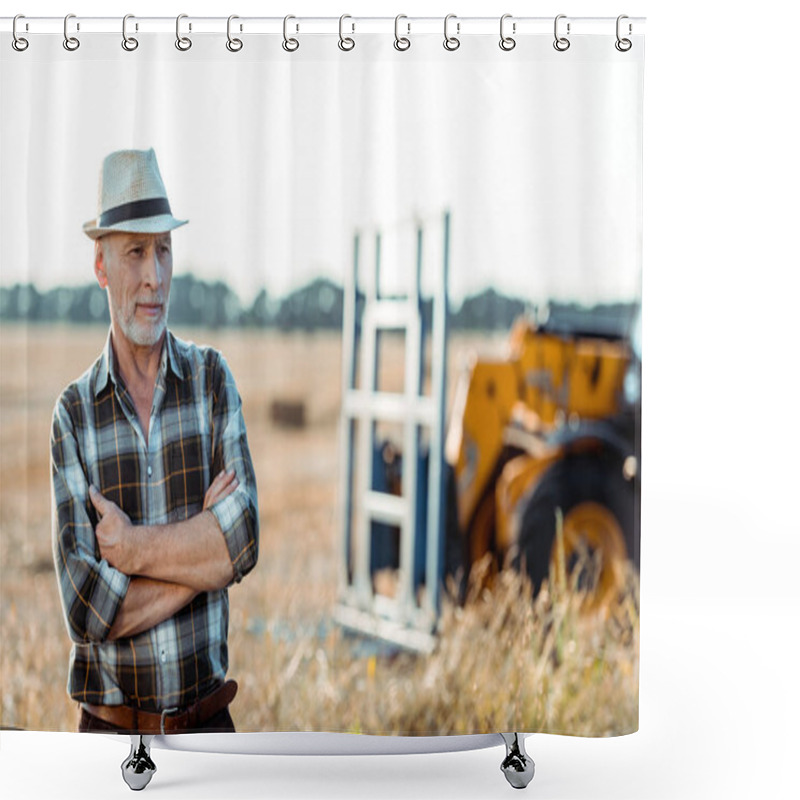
[(503, 662)]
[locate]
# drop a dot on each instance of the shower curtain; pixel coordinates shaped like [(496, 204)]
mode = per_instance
[(417, 269)]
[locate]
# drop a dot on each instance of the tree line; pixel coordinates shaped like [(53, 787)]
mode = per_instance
[(316, 306)]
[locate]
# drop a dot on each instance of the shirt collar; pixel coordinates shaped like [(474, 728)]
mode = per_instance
[(106, 367), (174, 358)]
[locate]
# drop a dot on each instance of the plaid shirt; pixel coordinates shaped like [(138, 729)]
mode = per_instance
[(196, 431)]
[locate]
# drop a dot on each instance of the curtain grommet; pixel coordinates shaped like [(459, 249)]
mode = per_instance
[(561, 43), (19, 43), (233, 44), (507, 43), (289, 44), (451, 43), (346, 43), (71, 43), (183, 43), (401, 43), (129, 43)]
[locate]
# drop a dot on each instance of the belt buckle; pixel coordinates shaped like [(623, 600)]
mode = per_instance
[(163, 716)]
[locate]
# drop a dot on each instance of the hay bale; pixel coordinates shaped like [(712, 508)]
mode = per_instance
[(288, 413)]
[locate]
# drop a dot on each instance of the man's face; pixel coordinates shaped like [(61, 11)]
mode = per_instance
[(137, 270)]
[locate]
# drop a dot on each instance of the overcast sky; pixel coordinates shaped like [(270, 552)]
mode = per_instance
[(277, 159)]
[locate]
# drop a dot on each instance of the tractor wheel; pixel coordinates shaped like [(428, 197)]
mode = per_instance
[(599, 507)]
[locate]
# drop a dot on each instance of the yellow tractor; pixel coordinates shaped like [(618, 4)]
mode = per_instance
[(554, 428), (549, 431)]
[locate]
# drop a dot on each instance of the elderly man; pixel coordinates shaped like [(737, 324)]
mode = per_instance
[(154, 498)]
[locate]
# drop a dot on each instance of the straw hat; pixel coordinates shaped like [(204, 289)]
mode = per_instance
[(132, 197)]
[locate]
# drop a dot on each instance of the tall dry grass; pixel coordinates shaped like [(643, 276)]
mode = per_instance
[(503, 661)]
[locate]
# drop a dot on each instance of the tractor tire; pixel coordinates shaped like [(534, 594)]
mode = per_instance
[(577, 483)]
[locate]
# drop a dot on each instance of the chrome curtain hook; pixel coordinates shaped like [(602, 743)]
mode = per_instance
[(19, 43), (234, 45), (623, 45), (506, 42), (451, 42), (346, 43), (128, 42), (561, 43), (70, 42), (401, 42), (183, 43), (289, 44)]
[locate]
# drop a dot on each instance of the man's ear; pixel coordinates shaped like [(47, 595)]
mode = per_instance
[(100, 264)]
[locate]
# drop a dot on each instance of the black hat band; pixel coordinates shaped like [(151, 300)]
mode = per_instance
[(139, 209)]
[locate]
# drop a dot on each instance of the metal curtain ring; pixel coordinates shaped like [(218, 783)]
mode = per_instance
[(18, 42), (401, 42), (128, 42), (183, 43), (234, 45), (451, 42), (561, 43), (506, 42), (289, 44), (623, 45), (70, 42), (345, 42)]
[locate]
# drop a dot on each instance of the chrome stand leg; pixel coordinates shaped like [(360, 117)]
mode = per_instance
[(138, 768), (518, 766)]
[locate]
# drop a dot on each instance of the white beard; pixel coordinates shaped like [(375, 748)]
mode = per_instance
[(143, 334)]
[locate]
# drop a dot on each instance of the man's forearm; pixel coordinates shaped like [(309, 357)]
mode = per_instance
[(192, 553), (147, 603)]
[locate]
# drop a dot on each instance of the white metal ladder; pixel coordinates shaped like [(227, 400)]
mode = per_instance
[(401, 619)]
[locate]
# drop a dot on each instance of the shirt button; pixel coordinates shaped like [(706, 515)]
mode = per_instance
[(149, 471), (163, 656)]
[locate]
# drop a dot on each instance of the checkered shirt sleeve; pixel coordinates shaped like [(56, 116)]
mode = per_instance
[(92, 591), (236, 514)]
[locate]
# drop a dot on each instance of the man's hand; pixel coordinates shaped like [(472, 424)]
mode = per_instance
[(122, 543), (114, 533), (220, 488)]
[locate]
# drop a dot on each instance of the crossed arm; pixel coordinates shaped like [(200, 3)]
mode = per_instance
[(169, 565)]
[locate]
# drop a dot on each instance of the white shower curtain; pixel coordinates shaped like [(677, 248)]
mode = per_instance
[(524, 167)]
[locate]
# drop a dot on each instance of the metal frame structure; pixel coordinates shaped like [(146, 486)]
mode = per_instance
[(401, 619)]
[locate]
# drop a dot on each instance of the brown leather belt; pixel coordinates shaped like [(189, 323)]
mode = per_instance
[(170, 720)]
